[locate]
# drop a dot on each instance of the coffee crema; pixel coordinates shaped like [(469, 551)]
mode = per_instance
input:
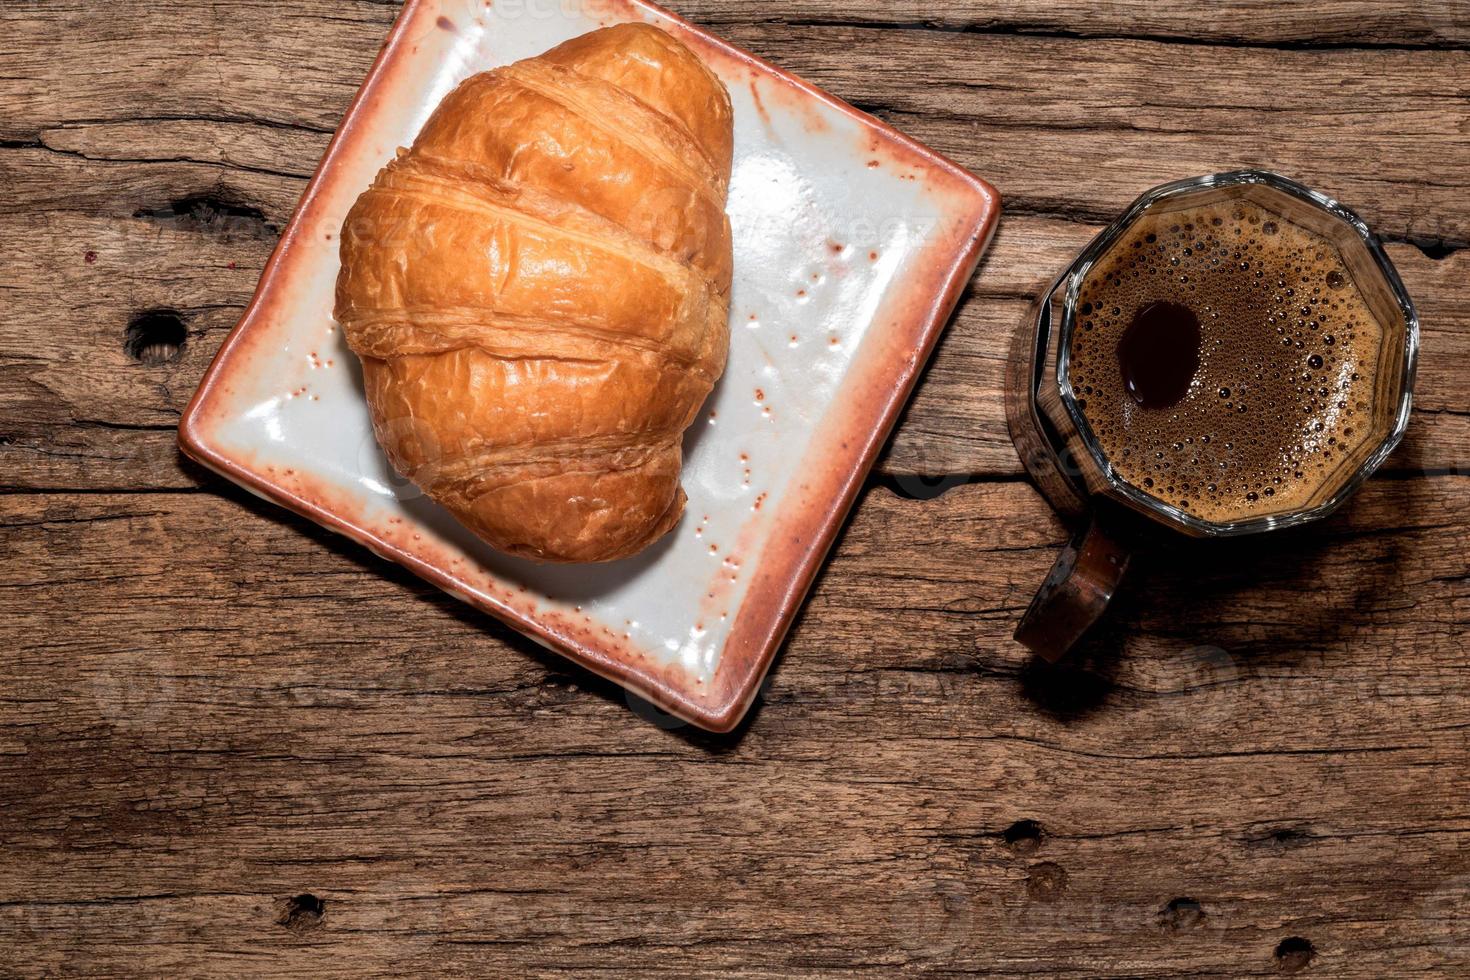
[(1225, 361)]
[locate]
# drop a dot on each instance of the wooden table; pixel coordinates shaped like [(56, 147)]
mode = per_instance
[(231, 743)]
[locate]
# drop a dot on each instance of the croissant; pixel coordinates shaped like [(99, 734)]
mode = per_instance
[(538, 292)]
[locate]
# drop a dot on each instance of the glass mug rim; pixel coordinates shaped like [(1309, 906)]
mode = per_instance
[(1077, 273)]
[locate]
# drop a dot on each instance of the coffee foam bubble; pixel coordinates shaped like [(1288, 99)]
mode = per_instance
[(1289, 349)]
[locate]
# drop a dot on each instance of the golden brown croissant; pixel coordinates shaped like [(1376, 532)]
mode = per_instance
[(539, 290)]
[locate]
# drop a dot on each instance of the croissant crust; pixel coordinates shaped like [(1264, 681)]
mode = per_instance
[(539, 291)]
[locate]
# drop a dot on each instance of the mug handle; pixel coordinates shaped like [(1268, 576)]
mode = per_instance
[(1075, 595)]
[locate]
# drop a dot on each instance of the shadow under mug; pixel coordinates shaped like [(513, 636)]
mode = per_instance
[(1110, 515)]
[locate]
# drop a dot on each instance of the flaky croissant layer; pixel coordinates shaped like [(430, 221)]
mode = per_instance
[(539, 291)]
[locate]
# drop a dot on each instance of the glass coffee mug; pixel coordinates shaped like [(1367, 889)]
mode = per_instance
[(1234, 355)]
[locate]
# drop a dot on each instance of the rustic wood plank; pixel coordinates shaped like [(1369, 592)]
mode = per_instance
[(1094, 108), (1434, 23), (1111, 118), (289, 66), (77, 412), (87, 155), (254, 711)]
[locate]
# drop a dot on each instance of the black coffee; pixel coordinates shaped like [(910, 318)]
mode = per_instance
[(1225, 360), (1158, 355)]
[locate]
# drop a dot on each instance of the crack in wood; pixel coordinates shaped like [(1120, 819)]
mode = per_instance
[(151, 161), (999, 28), (214, 213), (221, 120)]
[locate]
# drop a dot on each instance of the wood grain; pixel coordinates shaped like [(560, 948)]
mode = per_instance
[(230, 742), (1080, 130), (88, 159), (76, 412), (1292, 24), (178, 758), (1371, 126)]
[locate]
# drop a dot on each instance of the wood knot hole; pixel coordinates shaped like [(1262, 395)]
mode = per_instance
[(1293, 954), (1047, 882), (1023, 836), (1181, 914), (155, 337), (302, 912)]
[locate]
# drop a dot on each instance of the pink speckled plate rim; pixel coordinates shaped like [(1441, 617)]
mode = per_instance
[(805, 527)]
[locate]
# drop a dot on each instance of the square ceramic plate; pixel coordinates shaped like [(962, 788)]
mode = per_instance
[(852, 244)]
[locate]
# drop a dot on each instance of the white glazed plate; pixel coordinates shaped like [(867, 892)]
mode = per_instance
[(852, 244)]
